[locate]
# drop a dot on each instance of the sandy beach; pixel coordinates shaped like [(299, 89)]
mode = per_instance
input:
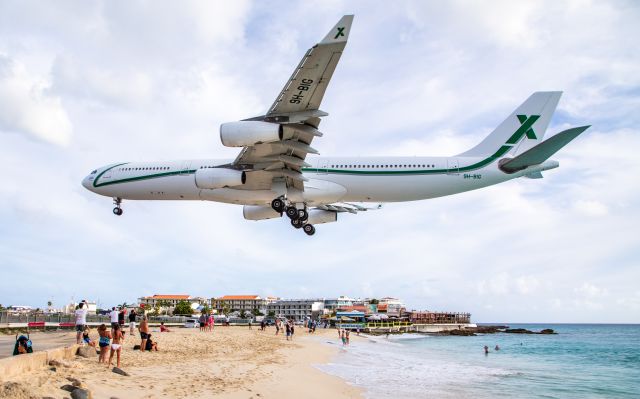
[(230, 362)]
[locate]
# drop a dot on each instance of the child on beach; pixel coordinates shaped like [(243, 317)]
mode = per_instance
[(86, 339), (116, 345), (163, 328), (104, 343)]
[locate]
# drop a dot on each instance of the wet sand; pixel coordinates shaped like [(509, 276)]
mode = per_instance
[(230, 362)]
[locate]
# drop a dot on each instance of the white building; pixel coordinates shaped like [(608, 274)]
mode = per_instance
[(297, 309)]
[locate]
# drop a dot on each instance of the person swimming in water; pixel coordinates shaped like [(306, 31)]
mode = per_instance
[(497, 348), (486, 350)]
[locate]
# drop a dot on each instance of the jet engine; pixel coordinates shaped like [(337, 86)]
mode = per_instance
[(319, 216), (258, 212), (219, 177), (247, 133)]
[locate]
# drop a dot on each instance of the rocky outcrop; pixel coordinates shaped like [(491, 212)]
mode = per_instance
[(525, 331), (459, 332)]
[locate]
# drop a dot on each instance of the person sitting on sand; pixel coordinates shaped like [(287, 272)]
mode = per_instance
[(86, 339), (104, 342), (23, 346), (151, 345), (116, 345), (163, 328)]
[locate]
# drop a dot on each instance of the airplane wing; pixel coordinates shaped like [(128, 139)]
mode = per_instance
[(296, 111)]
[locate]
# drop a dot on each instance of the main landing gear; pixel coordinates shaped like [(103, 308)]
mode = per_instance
[(117, 210), (298, 217)]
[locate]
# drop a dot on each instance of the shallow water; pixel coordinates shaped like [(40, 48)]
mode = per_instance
[(582, 361)]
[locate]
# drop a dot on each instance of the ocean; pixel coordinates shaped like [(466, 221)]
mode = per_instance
[(582, 361)]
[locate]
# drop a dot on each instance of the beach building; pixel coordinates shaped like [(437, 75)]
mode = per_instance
[(297, 309), (427, 317), (239, 303), (333, 304), (391, 306), (169, 302)]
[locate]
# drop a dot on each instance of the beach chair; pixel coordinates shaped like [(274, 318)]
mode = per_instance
[(23, 341)]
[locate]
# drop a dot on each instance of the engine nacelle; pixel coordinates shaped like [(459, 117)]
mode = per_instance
[(319, 216), (246, 133), (219, 177), (258, 212)]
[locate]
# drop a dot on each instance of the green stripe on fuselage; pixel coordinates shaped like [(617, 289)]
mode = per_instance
[(138, 178)]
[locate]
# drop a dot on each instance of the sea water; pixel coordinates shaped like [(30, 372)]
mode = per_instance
[(581, 361)]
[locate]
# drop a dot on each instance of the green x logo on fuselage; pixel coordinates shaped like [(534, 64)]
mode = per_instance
[(340, 33)]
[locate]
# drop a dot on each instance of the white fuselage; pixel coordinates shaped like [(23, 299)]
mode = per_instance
[(345, 179)]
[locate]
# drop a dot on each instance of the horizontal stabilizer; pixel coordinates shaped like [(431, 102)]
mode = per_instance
[(541, 152)]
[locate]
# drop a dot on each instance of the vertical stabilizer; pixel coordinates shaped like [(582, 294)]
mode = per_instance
[(523, 129)]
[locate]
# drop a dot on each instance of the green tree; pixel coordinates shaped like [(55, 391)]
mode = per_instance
[(182, 308), (272, 313), (205, 309), (226, 309), (374, 301), (164, 305), (256, 312), (49, 303), (243, 314)]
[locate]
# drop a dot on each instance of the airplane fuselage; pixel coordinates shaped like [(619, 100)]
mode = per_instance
[(330, 179)]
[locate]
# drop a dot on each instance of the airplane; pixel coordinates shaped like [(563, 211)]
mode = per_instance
[(278, 171)]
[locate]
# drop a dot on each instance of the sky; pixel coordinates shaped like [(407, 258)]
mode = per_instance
[(87, 83)]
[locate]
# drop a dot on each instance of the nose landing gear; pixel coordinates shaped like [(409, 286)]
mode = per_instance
[(117, 210)]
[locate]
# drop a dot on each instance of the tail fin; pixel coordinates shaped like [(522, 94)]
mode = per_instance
[(523, 129)]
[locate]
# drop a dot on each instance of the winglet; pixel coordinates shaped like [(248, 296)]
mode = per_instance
[(340, 32)]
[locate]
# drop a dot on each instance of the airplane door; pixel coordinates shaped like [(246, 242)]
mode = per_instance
[(452, 166), (323, 167), (184, 169)]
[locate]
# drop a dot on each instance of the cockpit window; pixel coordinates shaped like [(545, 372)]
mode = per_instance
[(94, 172)]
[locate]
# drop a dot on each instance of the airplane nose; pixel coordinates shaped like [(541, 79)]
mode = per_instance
[(86, 183)]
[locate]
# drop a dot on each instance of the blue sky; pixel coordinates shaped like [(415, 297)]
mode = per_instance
[(83, 84)]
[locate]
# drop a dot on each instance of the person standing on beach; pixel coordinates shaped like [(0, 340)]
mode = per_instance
[(104, 343), (203, 321), (132, 322), (81, 321), (277, 326), (113, 315), (116, 346), (144, 332), (287, 329), (293, 329), (210, 322), (346, 336)]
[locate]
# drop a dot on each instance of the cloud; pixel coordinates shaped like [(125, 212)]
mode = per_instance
[(149, 82), (27, 106)]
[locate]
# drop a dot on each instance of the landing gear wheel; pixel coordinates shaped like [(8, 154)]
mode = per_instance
[(309, 229), (277, 205), (303, 214), (117, 211), (292, 212), (297, 223)]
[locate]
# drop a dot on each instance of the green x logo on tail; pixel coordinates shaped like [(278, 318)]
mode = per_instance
[(340, 32), (525, 128)]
